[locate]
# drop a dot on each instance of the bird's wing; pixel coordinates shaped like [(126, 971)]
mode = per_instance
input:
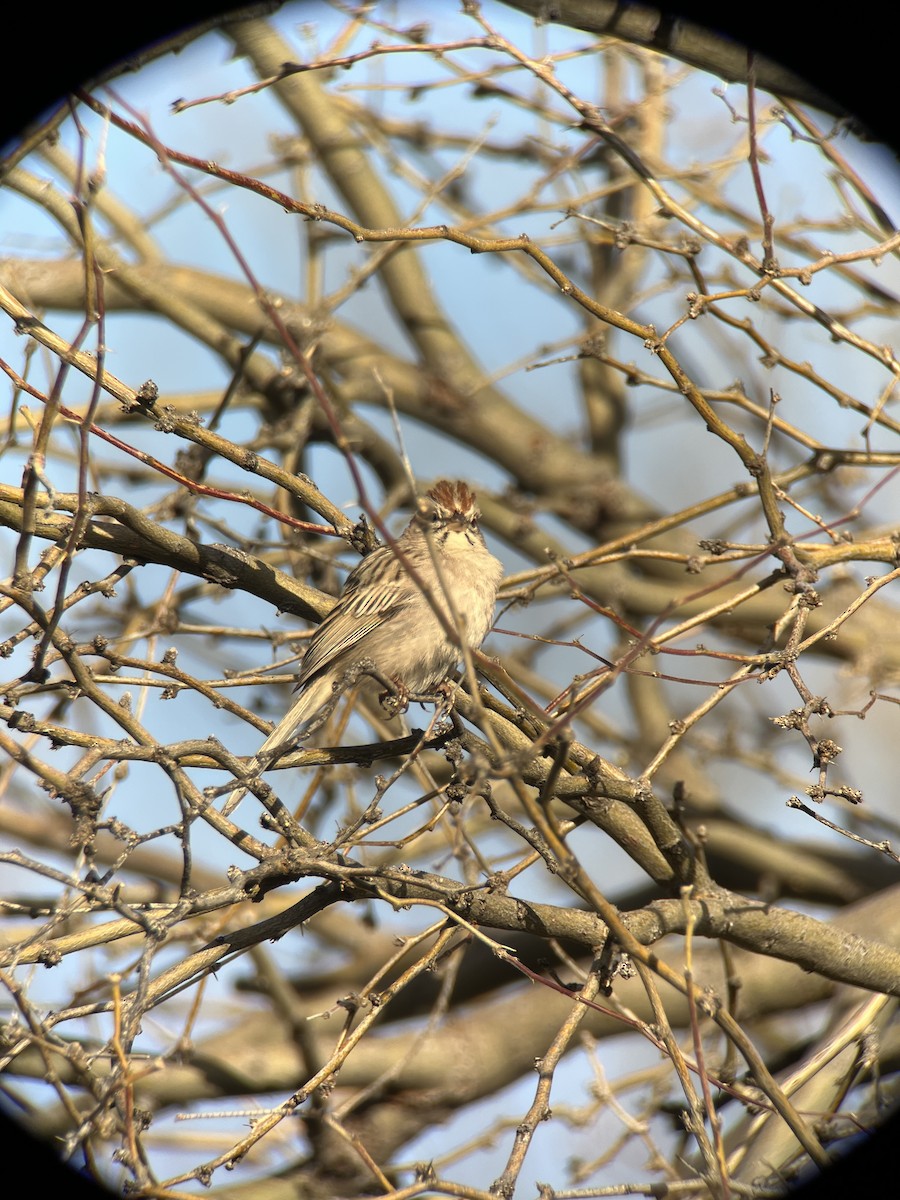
[(371, 594)]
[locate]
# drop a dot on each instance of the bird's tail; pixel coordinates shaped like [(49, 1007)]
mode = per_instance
[(307, 704)]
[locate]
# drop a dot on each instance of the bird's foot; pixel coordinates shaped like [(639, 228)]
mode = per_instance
[(441, 697), (395, 699)]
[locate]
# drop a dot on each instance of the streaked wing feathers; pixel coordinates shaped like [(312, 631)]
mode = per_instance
[(371, 594)]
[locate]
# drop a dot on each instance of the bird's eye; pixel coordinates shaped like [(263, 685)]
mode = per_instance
[(435, 518)]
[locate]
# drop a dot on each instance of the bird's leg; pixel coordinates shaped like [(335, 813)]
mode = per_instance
[(395, 697), (441, 696), (395, 700)]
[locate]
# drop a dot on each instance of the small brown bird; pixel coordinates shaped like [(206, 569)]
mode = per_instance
[(385, 619)]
